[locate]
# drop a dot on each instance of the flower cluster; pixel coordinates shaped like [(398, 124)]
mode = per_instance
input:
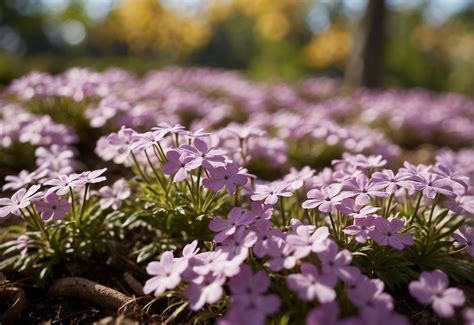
[(274, 203)]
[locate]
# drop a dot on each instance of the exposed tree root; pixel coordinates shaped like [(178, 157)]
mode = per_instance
[(18, 298), (94, 292), (133, 284)]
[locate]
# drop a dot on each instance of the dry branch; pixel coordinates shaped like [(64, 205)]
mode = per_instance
[(133, 284)]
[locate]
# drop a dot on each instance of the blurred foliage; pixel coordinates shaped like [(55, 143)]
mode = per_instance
[(265, 38)]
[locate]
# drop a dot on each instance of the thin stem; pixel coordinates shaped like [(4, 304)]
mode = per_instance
[(387, 211), (73, 205), (435, 201), (138, 167), (333, 225), (86, 192), (198, 186), (282, 212), (420, 195), (157, 176)]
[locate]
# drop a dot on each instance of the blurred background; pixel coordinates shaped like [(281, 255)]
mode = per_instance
[(401, 43)]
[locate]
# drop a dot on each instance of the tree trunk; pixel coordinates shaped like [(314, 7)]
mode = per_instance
[(366, 59)]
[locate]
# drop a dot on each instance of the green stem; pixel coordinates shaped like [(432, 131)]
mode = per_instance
[(73, 204), (138, 167), (333, 225), (387, 211), (420, 195), (282, 212), (86, 192), (435, 201)]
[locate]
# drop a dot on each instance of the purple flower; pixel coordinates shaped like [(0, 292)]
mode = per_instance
[(389, 181), (368, 292), (229, 176), (337, 264), (265, 233), (19, 200), (455, 177), (144, 141), (297, 179), (166, 274), (308, 239), (55, 158), (363, 189), (63, 183), (326, 314), (310, 284), (202, 155), (225, 228), (207, 290), (431, 184), (325, 199), (348, 206), (280, 254), (168, 128), (22, 243), (23, 179), (93, 177), (113, 196), (54, 207), (176, 165), (465, 236), (248, 290), (261, 211), (269, 193), (361, 228), (432, 289), (378, 313), (237, 246), (386, 233), (122, 141), (367, 162)]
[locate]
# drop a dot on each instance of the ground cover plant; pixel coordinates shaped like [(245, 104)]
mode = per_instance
[(198, 196)]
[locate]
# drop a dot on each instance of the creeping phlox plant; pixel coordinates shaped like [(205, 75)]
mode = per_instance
[(326, 245), (62, 217), (357, 241)]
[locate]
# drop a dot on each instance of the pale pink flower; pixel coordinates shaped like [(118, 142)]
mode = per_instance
[(310, 284), (20, 199), (166, 274), (269, 193), (308, 239), (432, 289)]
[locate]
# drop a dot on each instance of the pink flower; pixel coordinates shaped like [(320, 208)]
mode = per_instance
[(166, 274), (113, 196), (144, 141), (94, 176), (337, 264), (24, 178), (269, 193), (386, 233), (226, 228), (368, 292), (363, 189), (53, 207), (202, 155), (389, 181), (310, 284), (280, 254), (229, 176), (176, 165), (308, 239), (63, 183), (325, 199), (361, 228), (248, 297), (465, 236), (325, 314), (432, 289), (22, 243), (206, 290), (19, 200), (297, 179), (265, 233), (237, 246), (431, 184), (349, 207)]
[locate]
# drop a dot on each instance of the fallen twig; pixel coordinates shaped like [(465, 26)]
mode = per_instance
[(13, 313), (94, 292)]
